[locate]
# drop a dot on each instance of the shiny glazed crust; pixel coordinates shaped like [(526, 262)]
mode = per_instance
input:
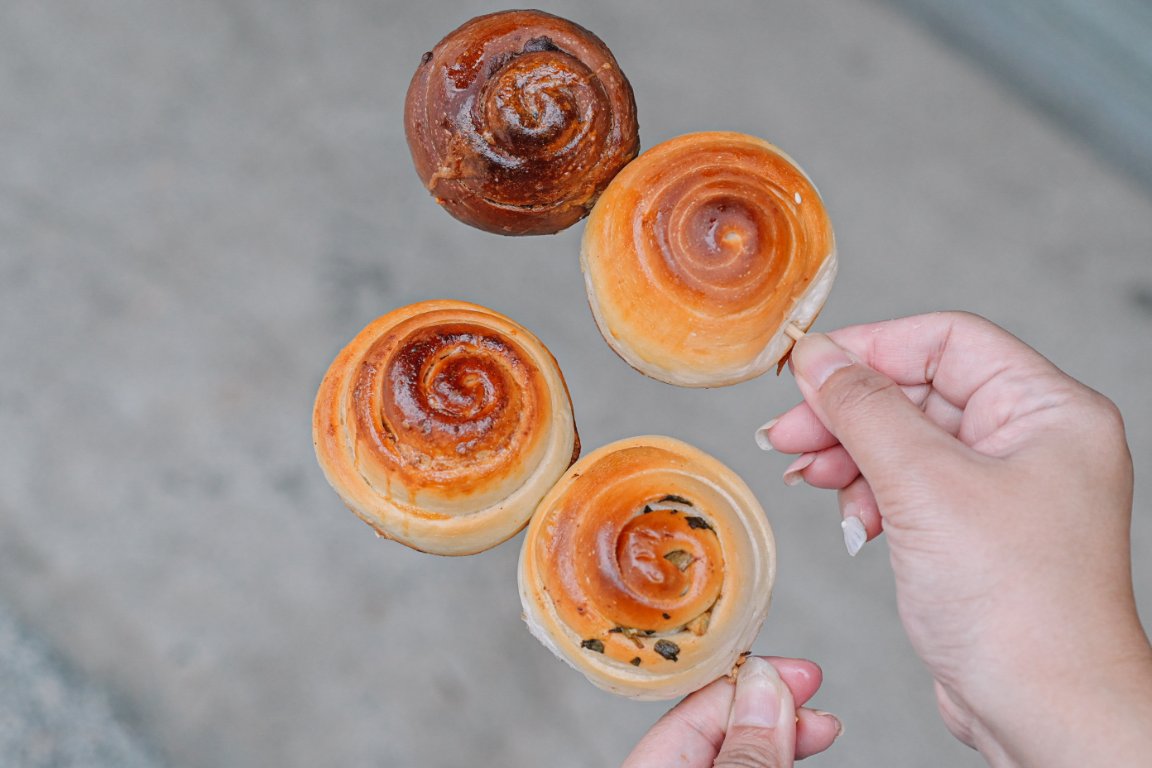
[(648, 567), (518, 120), (442, 424), (700, 252)]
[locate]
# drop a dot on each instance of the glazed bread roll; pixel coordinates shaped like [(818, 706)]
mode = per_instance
[(648, 567), (701, 252), (442, 424), (517, 121)]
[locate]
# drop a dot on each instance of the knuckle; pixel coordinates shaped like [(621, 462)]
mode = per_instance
[(1095, 413), (1108, 414), (964, 317), (1107, 426), (1094, 425), (855, 388), (751, 751), (975, 320)]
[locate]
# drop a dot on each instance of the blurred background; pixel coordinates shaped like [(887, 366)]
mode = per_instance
[(200, 203)]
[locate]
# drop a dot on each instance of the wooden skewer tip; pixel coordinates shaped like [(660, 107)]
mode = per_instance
[(793, 332)]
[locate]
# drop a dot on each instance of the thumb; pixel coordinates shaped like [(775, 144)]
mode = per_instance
[(762, 726), (884, 432)]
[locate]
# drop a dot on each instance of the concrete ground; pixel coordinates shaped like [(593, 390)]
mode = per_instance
[(201, 202), (51, 717)]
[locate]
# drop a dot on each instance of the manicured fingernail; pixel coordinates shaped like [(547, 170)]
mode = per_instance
[(816, 357), (794, 474), (758, 692), (762, 435), (854, 534)]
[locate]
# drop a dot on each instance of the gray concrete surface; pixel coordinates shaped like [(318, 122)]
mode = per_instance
[(201, 202), (1087, 63), (50, 717)]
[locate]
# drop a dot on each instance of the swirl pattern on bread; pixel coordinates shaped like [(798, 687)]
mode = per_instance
[(518, 120), (701, 252), (442, 424), (648, 567)]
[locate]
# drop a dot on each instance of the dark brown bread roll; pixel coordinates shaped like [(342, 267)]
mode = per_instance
[(518, 120)]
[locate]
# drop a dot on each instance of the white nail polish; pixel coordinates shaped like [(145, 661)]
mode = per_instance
[(762, 435), (794, 475), (854, 534)]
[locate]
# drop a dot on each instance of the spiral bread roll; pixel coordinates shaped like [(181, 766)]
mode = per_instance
[(648, 567), (518, 120), (701, 252), (442, 424)]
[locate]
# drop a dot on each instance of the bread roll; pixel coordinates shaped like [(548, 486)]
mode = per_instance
[(442, 424), (648, 567), (517, 121), (701, 252)]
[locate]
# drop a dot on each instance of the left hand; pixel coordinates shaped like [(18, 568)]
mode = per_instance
[(757, 723)]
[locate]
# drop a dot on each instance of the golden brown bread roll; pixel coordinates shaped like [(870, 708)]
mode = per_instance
[(699, 254), (648, 567), (442, 424), (517, 121)]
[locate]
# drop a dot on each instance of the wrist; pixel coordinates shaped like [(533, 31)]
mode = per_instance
[(1087, 709)]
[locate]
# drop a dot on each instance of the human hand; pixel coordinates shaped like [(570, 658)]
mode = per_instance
[(757, 723), (1005, 490)]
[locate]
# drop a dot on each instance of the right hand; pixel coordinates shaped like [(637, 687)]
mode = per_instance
[(1005, 489)]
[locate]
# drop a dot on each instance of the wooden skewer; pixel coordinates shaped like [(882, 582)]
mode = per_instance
[(793, 332)]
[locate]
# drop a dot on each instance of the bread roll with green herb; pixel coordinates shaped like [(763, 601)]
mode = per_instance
[(648, 567)]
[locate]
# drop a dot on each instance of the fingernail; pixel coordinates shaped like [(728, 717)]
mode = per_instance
[(816, 357), (758, 691), (794, 474), (833, 718), (762, 435), (854, 534)]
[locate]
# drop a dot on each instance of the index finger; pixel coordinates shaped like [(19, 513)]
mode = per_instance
[(958, 353)]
